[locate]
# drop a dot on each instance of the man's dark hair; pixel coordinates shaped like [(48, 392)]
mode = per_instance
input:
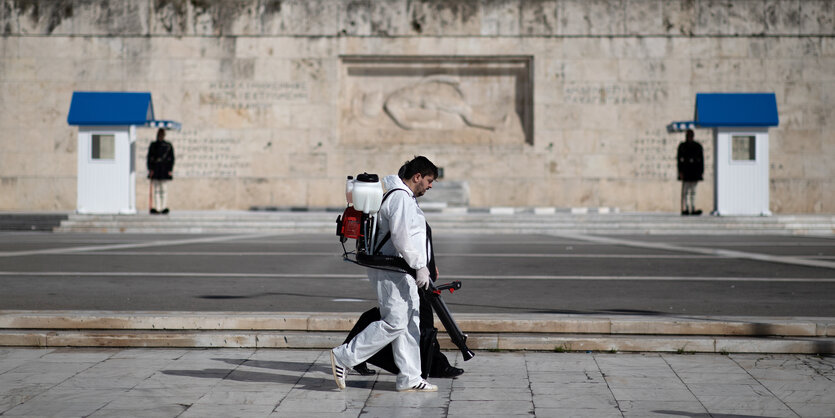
[(160, 133), (419, 164)]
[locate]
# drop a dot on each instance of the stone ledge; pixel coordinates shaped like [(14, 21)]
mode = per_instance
[(512, 220), (470, 322), (323, 340)]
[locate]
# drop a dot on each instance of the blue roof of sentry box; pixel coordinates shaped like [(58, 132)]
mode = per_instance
[(736, 109), (115, 108), (105, 108)]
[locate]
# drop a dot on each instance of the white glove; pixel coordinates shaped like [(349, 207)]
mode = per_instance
[(422, 278)]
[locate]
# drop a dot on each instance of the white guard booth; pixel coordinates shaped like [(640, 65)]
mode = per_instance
[(107, 124), (740, 123)]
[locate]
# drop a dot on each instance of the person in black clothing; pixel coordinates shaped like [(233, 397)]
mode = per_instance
[(433, 362), (160, 163), (691, 167)]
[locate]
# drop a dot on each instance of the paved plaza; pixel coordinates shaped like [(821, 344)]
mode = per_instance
[(297, 383), (663, 278), (737, 275)]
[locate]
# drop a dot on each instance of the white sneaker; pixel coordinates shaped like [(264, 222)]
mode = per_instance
[(338, 372), (422, 386)]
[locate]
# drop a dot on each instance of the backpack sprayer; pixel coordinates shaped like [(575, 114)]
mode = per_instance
[(359, 222)]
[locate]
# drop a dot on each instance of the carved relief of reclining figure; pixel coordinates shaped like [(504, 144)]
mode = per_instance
[(434, 102)]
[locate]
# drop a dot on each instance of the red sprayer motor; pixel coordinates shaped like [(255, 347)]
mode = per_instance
[(364, 195)]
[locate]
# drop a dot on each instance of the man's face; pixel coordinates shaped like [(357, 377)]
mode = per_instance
[(422, 184)]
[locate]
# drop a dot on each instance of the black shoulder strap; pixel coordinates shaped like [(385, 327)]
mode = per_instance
[(430, 253), (385, 239)]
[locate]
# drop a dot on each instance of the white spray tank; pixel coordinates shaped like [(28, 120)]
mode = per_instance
[(367, 193), (349, 187)]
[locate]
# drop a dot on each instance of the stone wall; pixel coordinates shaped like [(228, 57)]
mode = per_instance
[(529, 102)]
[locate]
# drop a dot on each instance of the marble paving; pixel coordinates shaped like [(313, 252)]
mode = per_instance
[(291, 383)]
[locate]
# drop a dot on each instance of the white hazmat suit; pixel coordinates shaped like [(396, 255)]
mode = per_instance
[(397, 293)]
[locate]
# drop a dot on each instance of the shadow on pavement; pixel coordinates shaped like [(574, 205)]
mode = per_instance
[(303, 383)]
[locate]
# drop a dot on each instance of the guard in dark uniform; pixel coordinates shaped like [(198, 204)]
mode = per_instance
[(691, 167)]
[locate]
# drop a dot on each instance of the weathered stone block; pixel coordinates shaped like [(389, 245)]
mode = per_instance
[(331, 322), (128, 17), (300, 17), (787, 166), (782, 17), (169, 17), (747, 18), (828, 47), (795, 47), (539, 17), (592, 70), (646, 48), (797, 94), (679, 17), (439, 17), (817, 17), (790, 196), (299, 340), (500, 18), (474, 342), (643, 16), (40, 17), (820, 70), (712, 17), (23, 339), (783, 70), (774, 346), (734, 48), (387, 18), (595, 17), (694, 327)]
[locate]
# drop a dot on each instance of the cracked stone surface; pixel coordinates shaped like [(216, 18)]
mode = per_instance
[(270, 382)]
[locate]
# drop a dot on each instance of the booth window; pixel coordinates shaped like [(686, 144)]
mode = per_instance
[(744, 148), (104, 147)]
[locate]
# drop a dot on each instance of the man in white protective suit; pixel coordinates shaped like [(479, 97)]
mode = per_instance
[(397, 293)]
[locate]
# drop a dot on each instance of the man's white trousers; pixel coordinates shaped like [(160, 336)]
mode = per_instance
[(399, 303), (160, 194)]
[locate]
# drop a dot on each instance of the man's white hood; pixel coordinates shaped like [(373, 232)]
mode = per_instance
[(392, 181), (401, 216)]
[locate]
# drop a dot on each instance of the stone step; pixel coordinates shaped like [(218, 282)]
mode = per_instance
[(559, 332), (475, 341), (472, 222), (472, 322), (31, 221)]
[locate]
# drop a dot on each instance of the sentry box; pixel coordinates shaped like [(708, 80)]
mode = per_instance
[(107, 123), (740, 123)]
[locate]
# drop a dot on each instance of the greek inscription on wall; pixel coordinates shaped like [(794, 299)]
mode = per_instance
[(253, 95), (626, 93), (200, 154), (655, 155)]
